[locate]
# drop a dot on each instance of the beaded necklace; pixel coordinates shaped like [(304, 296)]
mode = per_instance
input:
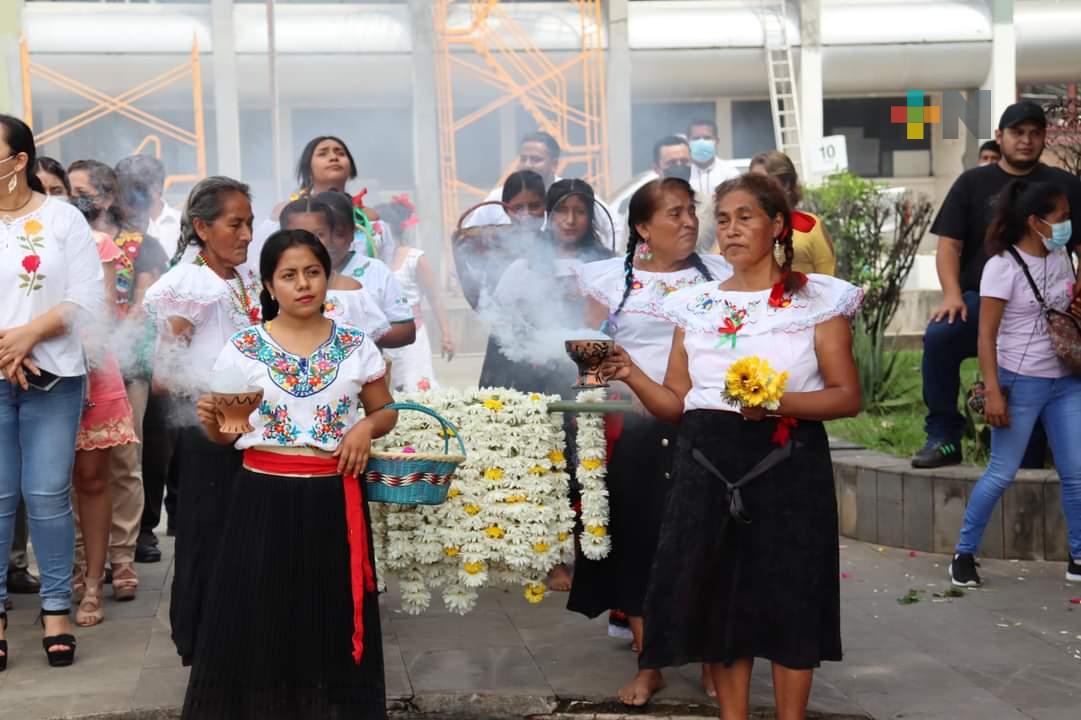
[(240, 298)]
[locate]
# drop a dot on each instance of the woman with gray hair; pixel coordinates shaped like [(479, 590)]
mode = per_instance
[(209, 294)]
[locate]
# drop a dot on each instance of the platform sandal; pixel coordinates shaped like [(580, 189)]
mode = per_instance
[(91, 611), (58, 658)]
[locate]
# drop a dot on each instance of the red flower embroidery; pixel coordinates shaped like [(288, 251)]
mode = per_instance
[(254, 315), (31, 263), (423, 384)]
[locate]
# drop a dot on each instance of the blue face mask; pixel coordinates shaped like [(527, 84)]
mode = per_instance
[(703, 150), (1061, 232)]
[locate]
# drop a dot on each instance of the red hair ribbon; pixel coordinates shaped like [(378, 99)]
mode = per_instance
[(405, 202), (784, 430), (358, 199), (778, 298)]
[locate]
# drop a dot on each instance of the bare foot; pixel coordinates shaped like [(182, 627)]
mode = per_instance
[(639, 691), (707, 681), (560, 578)]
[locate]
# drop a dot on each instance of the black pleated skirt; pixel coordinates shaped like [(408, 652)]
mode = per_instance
[(205, 473), (721, 590), (639, 478), (273, 648)]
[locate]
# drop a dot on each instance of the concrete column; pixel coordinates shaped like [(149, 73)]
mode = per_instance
[(619, 94), (289, 153), (226, 103), (11, 86), (1002, 79), (508, 135), (723, 116), (426, 174), (810, 83)]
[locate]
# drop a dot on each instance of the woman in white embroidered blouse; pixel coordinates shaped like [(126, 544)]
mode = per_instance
[(625, 296), (747, 563), (52, 284), (198, 305), (299, 494)]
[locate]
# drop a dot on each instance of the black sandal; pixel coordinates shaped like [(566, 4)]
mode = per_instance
[(4, 643), (58, 658)]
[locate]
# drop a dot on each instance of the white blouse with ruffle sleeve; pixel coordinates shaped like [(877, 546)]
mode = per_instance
[(307, 401), (723, 326), (216, 309), (641, 327)]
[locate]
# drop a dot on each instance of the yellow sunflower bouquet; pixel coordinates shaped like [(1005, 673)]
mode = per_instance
[(751, 382)]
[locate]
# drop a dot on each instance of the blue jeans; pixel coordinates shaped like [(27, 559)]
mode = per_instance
[(945, 347), (37, 451), (1058, 404)]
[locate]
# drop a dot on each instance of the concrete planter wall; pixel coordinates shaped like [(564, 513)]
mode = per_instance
[(882, 499)]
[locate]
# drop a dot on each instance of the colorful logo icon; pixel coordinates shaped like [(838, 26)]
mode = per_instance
[(914, 115)]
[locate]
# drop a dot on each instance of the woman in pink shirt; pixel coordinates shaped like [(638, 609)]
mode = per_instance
[(1029, 269)]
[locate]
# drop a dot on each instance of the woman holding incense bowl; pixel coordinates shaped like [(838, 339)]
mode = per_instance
[(747, 563), (314, 651), (625, 295)]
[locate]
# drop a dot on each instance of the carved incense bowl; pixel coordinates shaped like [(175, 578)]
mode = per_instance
[(588, 356), (236, 408)]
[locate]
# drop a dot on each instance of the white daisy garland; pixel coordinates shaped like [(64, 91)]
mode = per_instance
[(507, 520), (592, 449)]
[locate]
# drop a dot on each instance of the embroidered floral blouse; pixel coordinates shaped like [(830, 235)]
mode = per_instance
[(49, 257), (307, 401), (216, 309), (722, 326), (641, 327)]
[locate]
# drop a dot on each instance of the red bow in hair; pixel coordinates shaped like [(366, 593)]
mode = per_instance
[(784, 430), (358, 199), (405, 202), (778, 298)]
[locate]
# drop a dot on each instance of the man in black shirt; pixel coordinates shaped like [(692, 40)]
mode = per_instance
[(961, 226)]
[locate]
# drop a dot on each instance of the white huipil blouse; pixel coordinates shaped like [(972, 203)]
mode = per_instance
[(723, 326), (359, 309), (307, 401), (215, 307), (641, 327), (379, 281), (49, 257)]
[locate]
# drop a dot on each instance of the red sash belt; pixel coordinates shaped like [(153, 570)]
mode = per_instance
[(361, 572)]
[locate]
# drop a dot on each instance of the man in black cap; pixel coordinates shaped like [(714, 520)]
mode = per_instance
[(961, 226)]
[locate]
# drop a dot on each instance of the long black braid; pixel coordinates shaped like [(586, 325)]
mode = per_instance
[(641, 207)]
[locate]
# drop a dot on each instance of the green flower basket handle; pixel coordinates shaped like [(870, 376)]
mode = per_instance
[(448, 427)]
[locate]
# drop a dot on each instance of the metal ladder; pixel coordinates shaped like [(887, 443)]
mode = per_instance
[(782, 80)]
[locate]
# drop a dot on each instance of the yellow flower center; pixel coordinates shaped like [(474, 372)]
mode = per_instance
[(493, 404), (597, 530), (473, 567), (451, 551), (493, 474), (471, 509), (592, 463), (495, 532), (540, 547)]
